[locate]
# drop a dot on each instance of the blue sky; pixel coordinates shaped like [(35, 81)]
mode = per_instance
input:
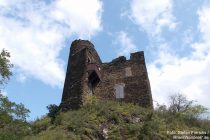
[(173, 34)]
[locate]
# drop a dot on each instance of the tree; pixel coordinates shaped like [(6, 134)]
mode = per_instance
[(179, 103), (13, 110), (53, 111), (187, 108), (13, 125), (5, 67)]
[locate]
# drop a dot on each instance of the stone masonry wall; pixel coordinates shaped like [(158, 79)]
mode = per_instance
[(86, 75), (137, 87), (76, 88)]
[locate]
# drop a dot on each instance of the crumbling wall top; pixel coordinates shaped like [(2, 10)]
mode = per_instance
[(79, 45), (134, 57), (138, 57), (82, 43), (119, 59)]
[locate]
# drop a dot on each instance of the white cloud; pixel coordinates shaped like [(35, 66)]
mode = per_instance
[(204, 20), (186, 75), (83, 17), (152, 16), (4, 93), (35, 33), (203, 47), (126, 45), (190, 74)]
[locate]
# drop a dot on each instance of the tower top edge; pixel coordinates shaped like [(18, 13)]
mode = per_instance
[(82, 42)]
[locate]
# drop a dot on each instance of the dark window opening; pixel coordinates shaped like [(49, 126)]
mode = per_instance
[(94, 76), (93, 79), (88, 60)]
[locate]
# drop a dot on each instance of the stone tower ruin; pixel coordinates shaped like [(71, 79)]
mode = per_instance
[(120, 79)]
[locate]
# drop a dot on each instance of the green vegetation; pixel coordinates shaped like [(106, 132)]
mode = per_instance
[(53, 111), (13, 125), (114, 120), (102, 120), (5, 67)]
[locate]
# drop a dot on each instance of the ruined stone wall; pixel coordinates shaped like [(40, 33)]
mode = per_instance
[(76, 87), (136, 82), (86, 75), (91, 58)]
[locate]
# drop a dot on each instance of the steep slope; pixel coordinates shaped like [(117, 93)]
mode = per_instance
[(112, 120)]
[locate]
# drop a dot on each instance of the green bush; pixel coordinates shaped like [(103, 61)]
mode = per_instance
[(41, 124), (114, 120), (13, 125), (53, 111)]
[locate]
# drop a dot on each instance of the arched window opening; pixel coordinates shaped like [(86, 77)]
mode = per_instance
[(93, 81)]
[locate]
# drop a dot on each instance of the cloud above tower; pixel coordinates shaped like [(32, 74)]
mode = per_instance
[(35, 33), (152, 16)]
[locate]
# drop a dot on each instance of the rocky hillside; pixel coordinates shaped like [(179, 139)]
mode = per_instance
[(114, 120)]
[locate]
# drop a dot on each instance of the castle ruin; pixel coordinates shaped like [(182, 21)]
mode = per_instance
[(120, 79)]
